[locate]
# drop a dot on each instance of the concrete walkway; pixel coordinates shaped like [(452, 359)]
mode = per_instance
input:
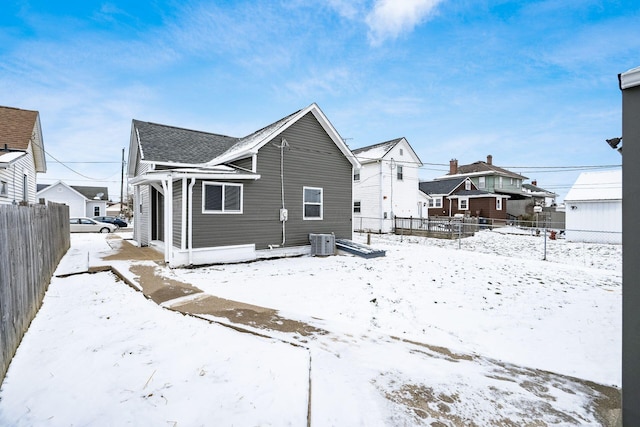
[(144, 270)]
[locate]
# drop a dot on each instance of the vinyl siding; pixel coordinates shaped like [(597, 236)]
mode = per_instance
[(380, 191), (313, 160), (60, 193), (13, 177)]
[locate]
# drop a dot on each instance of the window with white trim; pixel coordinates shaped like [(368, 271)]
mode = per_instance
[(482, 182), (463, 203), (499, 182), (467, 185), (400, 175), (435, 202), (356, 176), (498, 203), (4, 188), (221, 198), (357, 206), (312, 202), (96, 210)]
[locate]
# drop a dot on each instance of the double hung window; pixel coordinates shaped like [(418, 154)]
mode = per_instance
[(221, 198), (312, 202)]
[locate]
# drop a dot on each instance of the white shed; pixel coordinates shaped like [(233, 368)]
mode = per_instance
[(594, 208)]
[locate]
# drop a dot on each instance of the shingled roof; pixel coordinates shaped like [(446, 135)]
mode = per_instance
[(486, 168), (16, 127), (92, 193), (440, 186), (169, 144)]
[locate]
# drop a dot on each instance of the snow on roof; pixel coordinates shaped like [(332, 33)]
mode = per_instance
[(9, 157), (604, 185), (376, 151)]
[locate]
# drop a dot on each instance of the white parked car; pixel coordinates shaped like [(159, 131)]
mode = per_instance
[(88, 225)]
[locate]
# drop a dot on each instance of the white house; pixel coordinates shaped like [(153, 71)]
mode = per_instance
[(593, 208), (386, 186), (21, 155), (82, 200)]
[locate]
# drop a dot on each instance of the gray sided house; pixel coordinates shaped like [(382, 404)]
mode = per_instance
[(460, 195), (208, 198)]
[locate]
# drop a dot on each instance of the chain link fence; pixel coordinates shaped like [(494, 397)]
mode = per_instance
[(527, 239)]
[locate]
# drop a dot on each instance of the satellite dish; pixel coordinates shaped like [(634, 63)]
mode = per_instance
[(98, 196)]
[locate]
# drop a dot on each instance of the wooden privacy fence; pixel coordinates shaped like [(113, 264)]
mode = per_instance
[(33, 239)]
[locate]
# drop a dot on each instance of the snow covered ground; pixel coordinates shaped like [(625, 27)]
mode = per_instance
[(429, 333)]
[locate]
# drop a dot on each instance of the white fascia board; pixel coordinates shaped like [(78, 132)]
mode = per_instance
[(630, 78), (158, 177), (333, 133)]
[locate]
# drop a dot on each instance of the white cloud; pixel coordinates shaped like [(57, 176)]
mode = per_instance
[(347, 8), (390, 18)]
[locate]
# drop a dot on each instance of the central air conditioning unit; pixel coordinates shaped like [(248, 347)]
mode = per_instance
[(322, 244)]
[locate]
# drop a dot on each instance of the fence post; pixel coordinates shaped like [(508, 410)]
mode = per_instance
[(545, 244)]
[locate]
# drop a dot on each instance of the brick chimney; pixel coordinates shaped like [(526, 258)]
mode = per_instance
[(489, 159), (453, 166)]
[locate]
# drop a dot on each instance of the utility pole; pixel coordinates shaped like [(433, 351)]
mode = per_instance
[(122, 185)]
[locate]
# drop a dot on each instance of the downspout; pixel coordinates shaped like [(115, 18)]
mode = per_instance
[(183, 223), (381, 215), (190, 224), (167, 217), (392, 166)]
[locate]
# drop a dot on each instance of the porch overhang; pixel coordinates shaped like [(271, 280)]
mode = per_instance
[(154, 177)]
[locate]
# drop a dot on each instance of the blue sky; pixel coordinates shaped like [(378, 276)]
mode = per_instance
[(533, 83)]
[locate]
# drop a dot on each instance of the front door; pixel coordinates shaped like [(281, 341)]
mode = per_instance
[(157, 215)]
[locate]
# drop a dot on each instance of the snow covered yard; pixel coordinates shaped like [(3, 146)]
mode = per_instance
[(429, 334), (492, 297), (99, 354)]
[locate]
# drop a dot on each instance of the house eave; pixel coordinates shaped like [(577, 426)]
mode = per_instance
[(150, 177), (255, 147), (629, 79)]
